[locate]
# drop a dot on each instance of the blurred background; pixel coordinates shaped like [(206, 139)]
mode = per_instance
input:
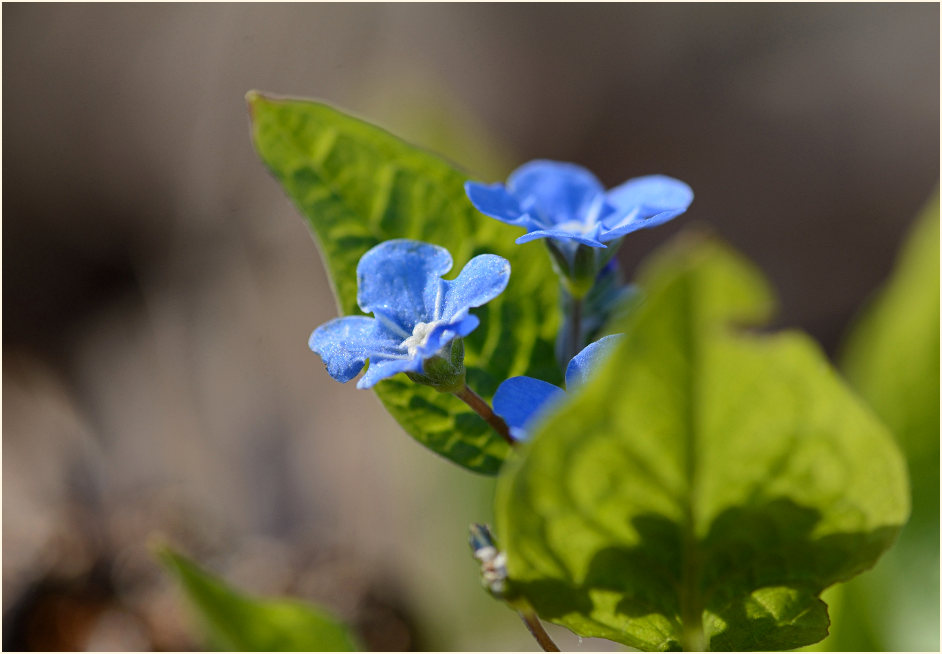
[(159, 288)]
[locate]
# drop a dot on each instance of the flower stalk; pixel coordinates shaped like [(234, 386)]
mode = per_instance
[(536, 628), (575, 329), (494, 576), (483, 409)]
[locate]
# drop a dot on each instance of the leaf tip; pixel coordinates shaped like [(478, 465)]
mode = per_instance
[(252, 99), (168, 559)]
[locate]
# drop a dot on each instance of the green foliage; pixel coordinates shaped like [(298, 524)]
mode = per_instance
[(234, 621), (708, 484), (358, 185), (892, 356), (892, 359)]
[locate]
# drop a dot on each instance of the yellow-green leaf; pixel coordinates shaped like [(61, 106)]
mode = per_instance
[(235, 621), (358, 185), (709, 482), (892, 359)]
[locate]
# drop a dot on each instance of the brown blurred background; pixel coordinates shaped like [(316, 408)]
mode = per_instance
[(158, 288)]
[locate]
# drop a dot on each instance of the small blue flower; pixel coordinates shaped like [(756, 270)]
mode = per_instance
[(416, 312), (519, 400), (566, 202)]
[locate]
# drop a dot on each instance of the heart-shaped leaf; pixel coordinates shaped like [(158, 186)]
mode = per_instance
[(709, 482)]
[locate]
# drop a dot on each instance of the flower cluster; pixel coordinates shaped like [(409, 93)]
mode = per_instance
[(419, 319)]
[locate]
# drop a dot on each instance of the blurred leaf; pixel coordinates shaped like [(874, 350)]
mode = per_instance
[(237, 622), (892, 358), (358, 185), (425, 112), (892, 355), (708, 478)]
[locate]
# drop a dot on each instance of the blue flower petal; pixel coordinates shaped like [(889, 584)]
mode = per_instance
[(346, 343), (480, 281), (399, 280), (519, 399), (381, 368), (559, 234), (443, 334), (554, 192), (645, 202), (584, 364), (657, 191), (633, 224), (493, 200)]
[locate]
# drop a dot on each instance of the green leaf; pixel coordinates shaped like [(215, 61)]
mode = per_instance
[(892, 355), (358, 185), (710, 481), (892, 359), (238, 622)]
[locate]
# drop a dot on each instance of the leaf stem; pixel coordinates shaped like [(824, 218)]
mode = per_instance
[(536, 628), (484, 410)]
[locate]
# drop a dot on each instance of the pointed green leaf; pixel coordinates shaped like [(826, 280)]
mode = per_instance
[(710, 481), (235, 621), (892, 356), (892, 359), (358, 185)]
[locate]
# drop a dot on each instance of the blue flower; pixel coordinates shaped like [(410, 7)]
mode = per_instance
[(416, 313), (520, 400), (566, 202)]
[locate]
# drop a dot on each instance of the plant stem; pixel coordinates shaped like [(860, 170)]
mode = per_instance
[(575, 329), (484, 410), (536, 628)]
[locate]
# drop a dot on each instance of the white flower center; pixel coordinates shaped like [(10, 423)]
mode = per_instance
[(575, 227), (585, 220), (419, 338)]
